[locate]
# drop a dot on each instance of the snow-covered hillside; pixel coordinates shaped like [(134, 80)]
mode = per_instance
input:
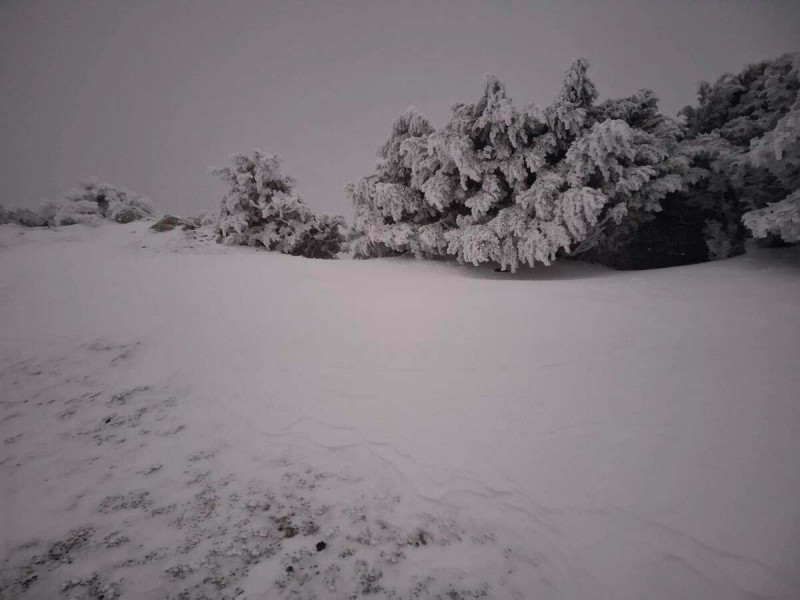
[(185, 420)]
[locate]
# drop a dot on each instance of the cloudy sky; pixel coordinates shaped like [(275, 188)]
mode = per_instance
[(149, 94)]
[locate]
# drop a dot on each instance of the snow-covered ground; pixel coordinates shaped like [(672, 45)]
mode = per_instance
[(184, 420)]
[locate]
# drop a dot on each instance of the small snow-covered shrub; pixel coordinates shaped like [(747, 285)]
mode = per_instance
[(20, 216), (94, 201), (68, 212), (262, 208), (26, 217)]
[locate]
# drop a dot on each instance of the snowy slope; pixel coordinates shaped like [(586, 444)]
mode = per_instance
[(183, 417)]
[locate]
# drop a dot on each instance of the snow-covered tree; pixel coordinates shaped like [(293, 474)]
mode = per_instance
[(778, 151), (744, 106), (744, 133), (262, 208), (631, 154), (512, 186), (393, 211)]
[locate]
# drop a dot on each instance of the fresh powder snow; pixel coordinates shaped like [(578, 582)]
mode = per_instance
[(181, 419)]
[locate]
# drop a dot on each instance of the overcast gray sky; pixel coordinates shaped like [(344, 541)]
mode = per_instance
[(149, 94)]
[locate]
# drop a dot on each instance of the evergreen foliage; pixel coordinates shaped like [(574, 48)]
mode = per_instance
[(513, 186), (262, 208), (745, 133)]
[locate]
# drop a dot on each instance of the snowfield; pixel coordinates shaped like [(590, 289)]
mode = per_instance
[(184, 420)]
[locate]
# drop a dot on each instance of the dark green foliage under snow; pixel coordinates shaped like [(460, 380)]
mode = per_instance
[(615, 181)]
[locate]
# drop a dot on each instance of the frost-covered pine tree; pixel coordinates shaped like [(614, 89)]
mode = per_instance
[(629, 155), (778, 151), (392, 213), (494, 152), (512, 186), (262, 208), (743, 133), (489, 152), (591, 176), (431, 185)]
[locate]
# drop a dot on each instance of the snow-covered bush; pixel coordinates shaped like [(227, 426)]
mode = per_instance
[(95, 201), (89, 204), (21, 216), (262, 208), (26, 217), (513, 186)]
